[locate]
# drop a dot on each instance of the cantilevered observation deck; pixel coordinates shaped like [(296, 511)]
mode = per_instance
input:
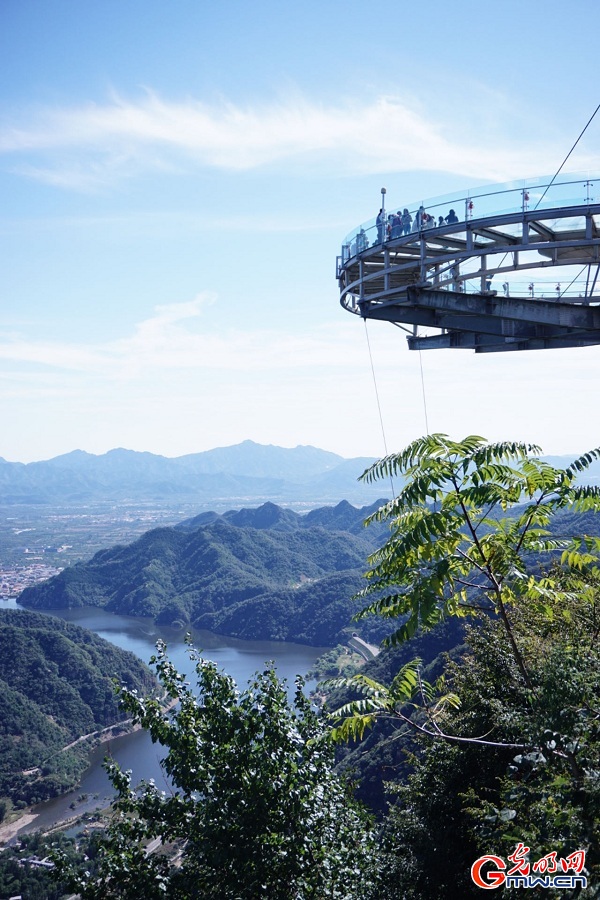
[(454, 284)]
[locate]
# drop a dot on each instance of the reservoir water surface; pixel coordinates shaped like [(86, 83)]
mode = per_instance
[(240, 659)]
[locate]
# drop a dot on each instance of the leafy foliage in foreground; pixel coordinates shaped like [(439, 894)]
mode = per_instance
[(466, 799), (463, 530), (256, 810), (511, 744), (384, 753)]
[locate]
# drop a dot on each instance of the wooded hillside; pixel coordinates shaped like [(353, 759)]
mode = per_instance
[(266, 573), (56, 684)]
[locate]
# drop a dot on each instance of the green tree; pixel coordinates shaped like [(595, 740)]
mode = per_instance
[(454, 548), (468, 530), (511, 752), (255, 810), (466, 798)]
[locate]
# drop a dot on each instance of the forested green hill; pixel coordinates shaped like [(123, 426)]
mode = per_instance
[(260, 574), (56, 684)]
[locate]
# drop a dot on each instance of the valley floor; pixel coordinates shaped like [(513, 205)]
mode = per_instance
[(10, 831)]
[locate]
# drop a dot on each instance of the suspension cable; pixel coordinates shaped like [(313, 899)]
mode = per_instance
[(593, 287), (558, 171), (423, 392), (378, 403), (589, 122), (562, 293)]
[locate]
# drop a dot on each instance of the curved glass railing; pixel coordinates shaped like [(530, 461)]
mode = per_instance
[(490, 200)]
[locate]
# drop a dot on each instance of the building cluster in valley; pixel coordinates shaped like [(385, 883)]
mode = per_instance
[(14, 579)]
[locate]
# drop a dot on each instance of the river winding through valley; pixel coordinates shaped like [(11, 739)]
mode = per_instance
[(240, 659)]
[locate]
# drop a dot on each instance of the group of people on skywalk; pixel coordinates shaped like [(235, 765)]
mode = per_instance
[(397, 224)]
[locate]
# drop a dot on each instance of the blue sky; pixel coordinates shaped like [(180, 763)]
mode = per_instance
[(176, 181)]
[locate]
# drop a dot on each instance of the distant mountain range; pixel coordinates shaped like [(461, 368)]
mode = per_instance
[(264, 574), (244, 473)]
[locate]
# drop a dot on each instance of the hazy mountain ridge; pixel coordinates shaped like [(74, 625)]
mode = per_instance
[(265, 573), (246, 471), (237, 475)]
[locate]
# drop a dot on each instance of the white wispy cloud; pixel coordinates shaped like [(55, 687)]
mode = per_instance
[(179, 336), (175, 383), (91, 145), (176, 337)]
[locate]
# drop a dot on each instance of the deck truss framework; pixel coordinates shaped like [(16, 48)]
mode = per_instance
[(420, 281)]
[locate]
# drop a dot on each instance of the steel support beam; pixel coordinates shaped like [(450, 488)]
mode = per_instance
[(487, 343), (486, 307)]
